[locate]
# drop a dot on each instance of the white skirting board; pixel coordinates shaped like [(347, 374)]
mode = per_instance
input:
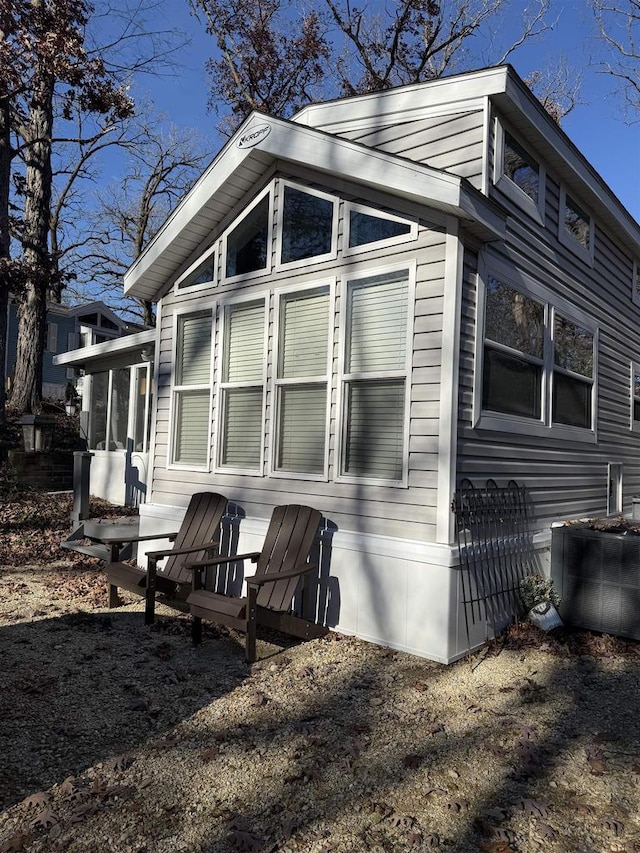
[(403, 594)]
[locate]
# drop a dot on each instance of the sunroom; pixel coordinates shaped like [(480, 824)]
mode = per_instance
[(115, 420)]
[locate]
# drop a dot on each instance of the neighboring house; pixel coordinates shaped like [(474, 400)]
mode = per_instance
[(67, 329), (362, 306)]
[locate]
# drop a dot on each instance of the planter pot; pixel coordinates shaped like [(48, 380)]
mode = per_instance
[(545, 616), (597, 574)]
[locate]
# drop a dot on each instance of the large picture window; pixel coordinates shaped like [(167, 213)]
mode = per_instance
[(302, 381), (192, 390), (242, 386), (374, 382), (538, 365)]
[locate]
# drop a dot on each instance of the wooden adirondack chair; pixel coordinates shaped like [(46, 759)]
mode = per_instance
[(199, 534), (281, 564)]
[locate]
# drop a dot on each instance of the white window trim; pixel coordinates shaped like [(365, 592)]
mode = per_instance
[(206, 285), (133, 399), (504, 183), (377, 244), (342, 378), (176, 389), (568, 239), (267, 191), (221, 385), (634, 368), (277, 383), (332, 254), (515, 424)]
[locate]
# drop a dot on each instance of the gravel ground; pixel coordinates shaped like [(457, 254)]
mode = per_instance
[(118, 737)]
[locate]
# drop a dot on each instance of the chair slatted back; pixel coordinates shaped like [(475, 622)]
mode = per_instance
[(201, 524), (287, 544)]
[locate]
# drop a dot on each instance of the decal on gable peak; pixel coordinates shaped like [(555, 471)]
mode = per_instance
[(254, 135)]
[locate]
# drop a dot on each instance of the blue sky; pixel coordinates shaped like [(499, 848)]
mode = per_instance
[(595, 126)]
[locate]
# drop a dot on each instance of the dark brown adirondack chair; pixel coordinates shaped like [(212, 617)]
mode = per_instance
[(281, 564), (198, 536)]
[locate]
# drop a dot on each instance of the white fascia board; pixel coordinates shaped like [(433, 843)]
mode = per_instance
[(364, 165), (223, 166), (406, 102), (282, 140), (117, 346)]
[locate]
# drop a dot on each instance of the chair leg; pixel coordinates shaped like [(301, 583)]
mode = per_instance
[(252, 608), (113, 596), (150, 594), (196, 630)]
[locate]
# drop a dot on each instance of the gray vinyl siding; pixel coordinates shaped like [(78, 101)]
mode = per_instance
[(454, 143), (386, 510), (565, 478)]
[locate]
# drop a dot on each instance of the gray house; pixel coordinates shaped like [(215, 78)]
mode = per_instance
[(362, 306), (67, 329)]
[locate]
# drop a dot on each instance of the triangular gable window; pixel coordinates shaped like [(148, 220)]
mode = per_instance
[(367, 227), (202, 272), (247, 245), (308, 226)]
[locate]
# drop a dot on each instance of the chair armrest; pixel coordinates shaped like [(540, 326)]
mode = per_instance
[(122, 540), (281, 576), (193, 549), (215, 561)]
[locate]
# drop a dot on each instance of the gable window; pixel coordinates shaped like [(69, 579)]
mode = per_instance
[(538, 365), (576, 227), (366, 227), (302, 382), (518, 174), (247, 244), (308, 225), (576, 222), (520, 168), (201, 272), (192, 389), (242, 386), (374, 380)]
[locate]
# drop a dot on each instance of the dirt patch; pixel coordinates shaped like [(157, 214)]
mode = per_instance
[(119, 737)]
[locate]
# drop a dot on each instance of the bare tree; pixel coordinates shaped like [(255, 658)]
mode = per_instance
[(271, 56), (162, 166), (619, 26), (60, 74)]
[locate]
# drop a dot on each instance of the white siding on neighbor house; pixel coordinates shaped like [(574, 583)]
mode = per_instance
[(407, 512), (454, 143), (565, 478)]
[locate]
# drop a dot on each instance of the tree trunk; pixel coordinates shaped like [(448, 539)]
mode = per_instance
[(26, 393), (5, 241)]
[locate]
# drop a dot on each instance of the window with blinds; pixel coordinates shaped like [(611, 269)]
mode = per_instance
[(192, 390), (242, 386), (302, 381), (375, 378)]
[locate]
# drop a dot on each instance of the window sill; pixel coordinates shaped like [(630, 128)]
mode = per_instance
[(495, 422), (519, 197)]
